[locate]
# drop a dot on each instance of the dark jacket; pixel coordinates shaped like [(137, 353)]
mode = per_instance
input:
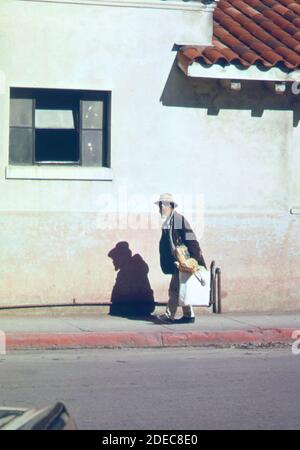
[(181, 234)]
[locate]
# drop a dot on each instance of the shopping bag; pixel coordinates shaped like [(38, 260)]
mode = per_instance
[(192, 291)]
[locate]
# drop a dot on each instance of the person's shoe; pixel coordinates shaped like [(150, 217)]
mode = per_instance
[(185, 319), (165, 319)]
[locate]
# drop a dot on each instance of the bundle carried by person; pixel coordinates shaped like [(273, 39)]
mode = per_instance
[(194, 279), (185, 263)]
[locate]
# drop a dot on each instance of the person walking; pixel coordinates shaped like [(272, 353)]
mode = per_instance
[(176, 230)]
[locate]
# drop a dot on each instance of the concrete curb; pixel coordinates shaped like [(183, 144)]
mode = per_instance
[(257, 336)]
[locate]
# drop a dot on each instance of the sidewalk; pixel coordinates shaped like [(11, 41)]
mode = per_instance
[(91, 326)]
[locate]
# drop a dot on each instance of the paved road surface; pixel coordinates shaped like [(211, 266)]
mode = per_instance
[(173, 389)]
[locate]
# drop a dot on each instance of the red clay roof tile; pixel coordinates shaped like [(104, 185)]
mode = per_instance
[(250, 32)]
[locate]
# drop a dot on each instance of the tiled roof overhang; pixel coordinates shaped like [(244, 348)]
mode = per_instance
[(247, 33)]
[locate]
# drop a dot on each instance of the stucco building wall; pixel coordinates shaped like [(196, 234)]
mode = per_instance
[(231, 160)]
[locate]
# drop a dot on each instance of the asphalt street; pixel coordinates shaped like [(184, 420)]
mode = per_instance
[(159, 389)]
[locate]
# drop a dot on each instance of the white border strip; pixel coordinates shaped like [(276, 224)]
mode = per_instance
[(2, 343), (233, 73), (154, 4)]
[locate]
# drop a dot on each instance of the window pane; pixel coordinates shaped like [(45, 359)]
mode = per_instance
[(92, 153), (20, 112), (92, 114), (20, 145), (56, 146), (55, 119)]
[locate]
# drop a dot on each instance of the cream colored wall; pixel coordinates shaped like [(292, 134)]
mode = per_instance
[(294, 167), (53, 247)]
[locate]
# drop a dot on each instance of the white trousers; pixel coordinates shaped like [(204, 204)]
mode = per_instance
[(174, 299)]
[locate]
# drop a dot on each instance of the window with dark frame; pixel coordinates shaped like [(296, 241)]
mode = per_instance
[(64, 127)]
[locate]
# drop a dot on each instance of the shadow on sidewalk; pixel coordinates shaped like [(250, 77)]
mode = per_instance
[(132, 296)]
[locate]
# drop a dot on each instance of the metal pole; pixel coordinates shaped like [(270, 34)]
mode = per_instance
[(212, 276), (214, 286), (218, 273)]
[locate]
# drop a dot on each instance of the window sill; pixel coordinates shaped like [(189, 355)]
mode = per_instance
[(59, 173)]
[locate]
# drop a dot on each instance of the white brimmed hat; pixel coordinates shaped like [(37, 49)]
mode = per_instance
[(168, 198)]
